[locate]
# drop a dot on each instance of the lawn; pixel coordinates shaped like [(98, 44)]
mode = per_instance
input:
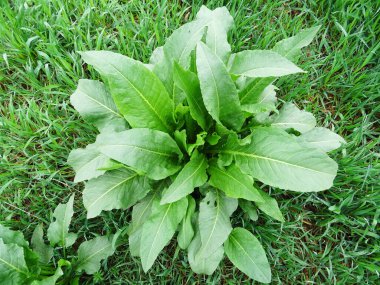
[(329, 237)]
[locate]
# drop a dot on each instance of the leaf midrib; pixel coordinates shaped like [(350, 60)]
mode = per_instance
[(95, 253), (291, 123), (141, 148), (158, 230), (12, 266), (64, 225), (258, 83), (194, 35), (215, 221), (143, 98), (238, 181), (261, 69), (98, 155), (112, 188), (233, 152), (187, 179), (246, 253), (101, 104), (214, 81)]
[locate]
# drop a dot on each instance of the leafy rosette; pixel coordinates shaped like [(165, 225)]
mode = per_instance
[(194, 134)]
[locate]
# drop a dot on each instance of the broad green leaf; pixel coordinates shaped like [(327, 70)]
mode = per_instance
[(263, 104), (219, 22), (218, 90), (157, 55), (183, 41), (290, 117), (277, 159), (13, 269), (87, 162), (95, 104), (178, 47), (58, 231), (249, 208), (234, 183), (189, 83), (51, 280), (140, 215), (270, 207), (158, 230), (322, 138), (291, 47), (214, 221), (139, 95), (178, 97), (186, 230), (44, 251), (152, 152), (261, 63), (246, 253), (92, 252), (192, 175), (116, 189), (252, 92), (203, 264), (11, 236)]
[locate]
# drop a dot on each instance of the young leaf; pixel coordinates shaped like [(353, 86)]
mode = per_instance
[(87, 162), (218, 90), (116, 189), (203, 264), (249, 208), (291, 47), (159, 229), (290, 117), (44, 251), (181, 140), (200, 141), (234, 183), (247, 254), (254, 91), (277, 159), (11, 236), (13, 269), (189, 83), (214, 221), (322, 138), (261, 63), (219, 22), (259, 108), (138, 93), (58, 231), (95, 104), (140, 215), (270, 207), (92, 252), (153, 152), (186, 231), (192, 175)]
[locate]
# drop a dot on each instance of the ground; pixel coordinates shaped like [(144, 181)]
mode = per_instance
[(330, 237)]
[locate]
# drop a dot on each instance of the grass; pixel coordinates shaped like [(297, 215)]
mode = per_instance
[(330, 237)]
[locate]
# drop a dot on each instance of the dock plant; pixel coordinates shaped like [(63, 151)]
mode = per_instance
[(194, 136)]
